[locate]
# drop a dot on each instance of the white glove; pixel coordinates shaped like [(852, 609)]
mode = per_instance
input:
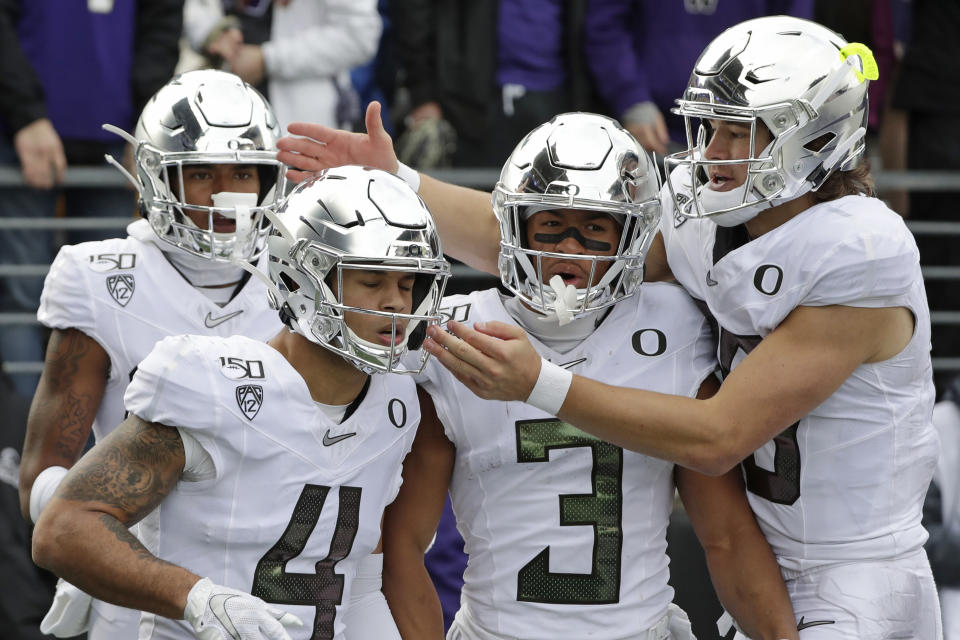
[(222, 613), (70, 613)]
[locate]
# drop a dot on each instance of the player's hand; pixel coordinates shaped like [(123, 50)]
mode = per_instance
[(247, 62), (494, 360), (40, 150), (70, 613), (221, 613), (645, 122), (426, 111), (313, 147), (227, 44)]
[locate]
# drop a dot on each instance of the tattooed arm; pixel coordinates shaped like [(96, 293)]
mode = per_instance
[(82, 535), (67, 399)]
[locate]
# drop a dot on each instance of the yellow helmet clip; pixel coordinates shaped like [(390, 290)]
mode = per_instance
[(867, 61)]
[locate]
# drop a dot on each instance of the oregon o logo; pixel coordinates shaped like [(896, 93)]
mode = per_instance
[(768, 279), (397, 412), (649, 342)]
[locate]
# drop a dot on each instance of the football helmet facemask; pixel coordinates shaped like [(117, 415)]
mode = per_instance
[(804, 83), (579, 161), (206, 117), (355, 218)]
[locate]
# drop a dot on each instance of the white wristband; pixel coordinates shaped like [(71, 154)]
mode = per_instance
[(551, 388), (408, 175), (43, 489)]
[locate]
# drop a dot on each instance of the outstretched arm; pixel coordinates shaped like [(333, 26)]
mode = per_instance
[(464, 217), (792, 371), (61, 415), (411, 521)]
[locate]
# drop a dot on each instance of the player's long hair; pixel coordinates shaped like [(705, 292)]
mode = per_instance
[(848, 183)]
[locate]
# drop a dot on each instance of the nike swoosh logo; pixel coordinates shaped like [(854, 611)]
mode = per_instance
[(217, 606), (813, 623), (572, 363), (710, 281), (329, 440), (210, 322)]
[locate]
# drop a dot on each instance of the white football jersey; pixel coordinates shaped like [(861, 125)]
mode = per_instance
[(847, 481), (297, 499), (126, 295), (566, 533)]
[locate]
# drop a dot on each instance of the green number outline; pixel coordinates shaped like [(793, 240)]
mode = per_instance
[(323, 589), (602, 509)]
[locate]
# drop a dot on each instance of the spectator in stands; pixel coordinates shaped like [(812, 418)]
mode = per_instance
[(941, 512), (641, 53), (66, 68), (492, 70), (299, 53)]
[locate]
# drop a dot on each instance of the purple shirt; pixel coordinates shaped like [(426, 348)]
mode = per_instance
[(84, 62), (644, 50), (531, 44)]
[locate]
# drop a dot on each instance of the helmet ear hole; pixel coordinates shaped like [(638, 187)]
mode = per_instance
[(288, 282), (820, 143)]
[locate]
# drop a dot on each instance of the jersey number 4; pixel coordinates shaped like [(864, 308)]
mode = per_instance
[(782, 485), (602, 509), (323, 589)]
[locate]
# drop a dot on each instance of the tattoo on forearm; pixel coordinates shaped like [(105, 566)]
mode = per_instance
[(132, 470), (123, 535), (68, 349), (75, 414)]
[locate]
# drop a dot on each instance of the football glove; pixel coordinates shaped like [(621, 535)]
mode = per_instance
[(221, 613), (70, 613)]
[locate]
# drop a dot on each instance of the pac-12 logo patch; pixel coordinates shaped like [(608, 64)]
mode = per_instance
[(250, 399), (683, 204), (120, 287)]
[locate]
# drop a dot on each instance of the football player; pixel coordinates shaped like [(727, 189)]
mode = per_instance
[(824, 332), (259, 471), (770, 222), (206, 174), (565, 533)]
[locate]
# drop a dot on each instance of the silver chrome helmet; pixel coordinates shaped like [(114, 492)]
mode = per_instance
[(355, 218), (576, 161), (804, 82), (207, 117)]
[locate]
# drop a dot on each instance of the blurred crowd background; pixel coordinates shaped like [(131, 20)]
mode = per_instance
[(461, 82)]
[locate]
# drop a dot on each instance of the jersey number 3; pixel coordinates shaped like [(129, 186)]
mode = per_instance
[(323, 589), (601, 509), (782, 485)]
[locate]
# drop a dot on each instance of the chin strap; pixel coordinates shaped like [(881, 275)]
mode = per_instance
[(565, 299)]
